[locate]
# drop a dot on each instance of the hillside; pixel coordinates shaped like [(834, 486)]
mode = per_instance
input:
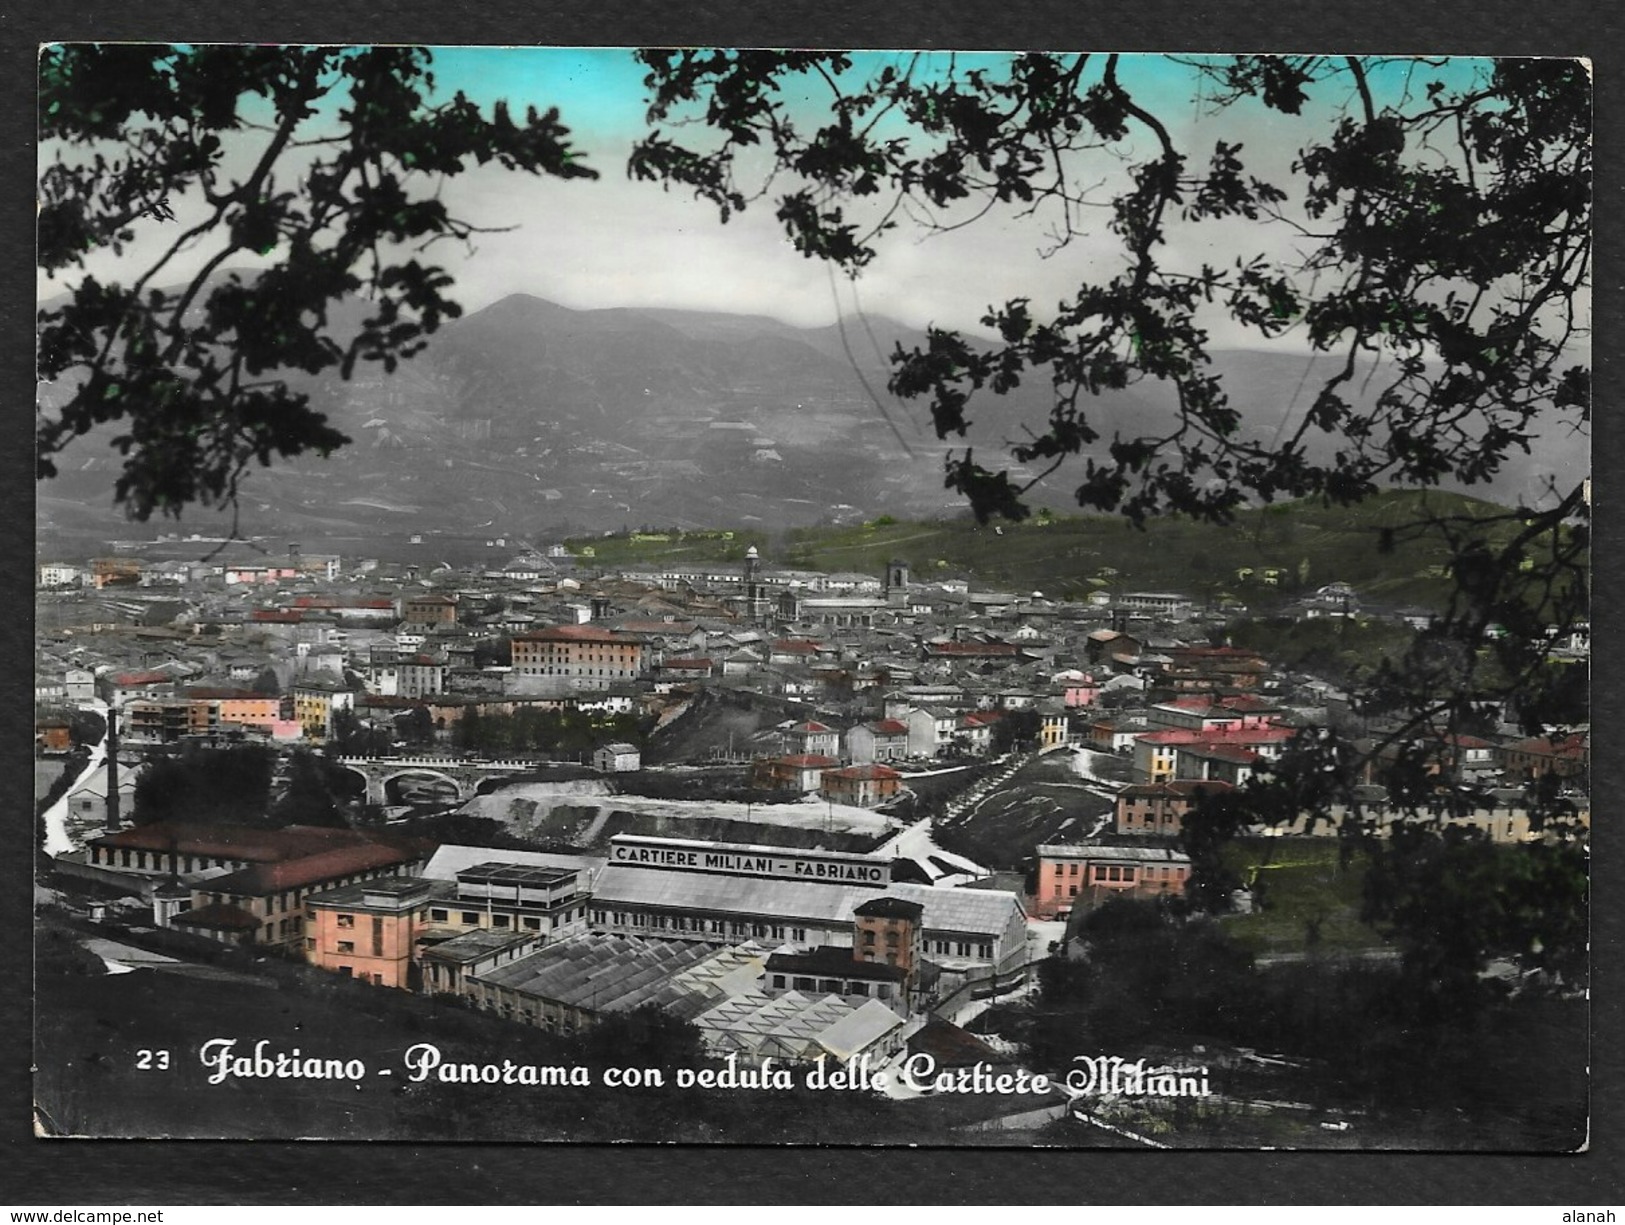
[(531, 420), (1069, 557)]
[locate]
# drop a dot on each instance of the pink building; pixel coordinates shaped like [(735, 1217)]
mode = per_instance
[(867, 786), (264, 903), (1079, 689), (1564, 756), (801, 771), (1157, 754), (368, 930), (1088, 874), (260, 574), (1160, 808)]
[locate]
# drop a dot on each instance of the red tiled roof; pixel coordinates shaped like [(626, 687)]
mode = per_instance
[(1223, 752), (277, 616), (1245, 702), (691, 665), (1544, 746), (576, 633), (263, 878), (327, 601), (1196, 703), (888, 727), (1176, 788), (866, 773), (796, 646), (232, 841), (812, 728), (142, 678), (1218, 736)]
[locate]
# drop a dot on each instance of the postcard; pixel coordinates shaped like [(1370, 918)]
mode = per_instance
[(876, 598)]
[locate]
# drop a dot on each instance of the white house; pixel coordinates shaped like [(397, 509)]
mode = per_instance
[(929, 728), (616, 758), (62, 574), (81, 685)]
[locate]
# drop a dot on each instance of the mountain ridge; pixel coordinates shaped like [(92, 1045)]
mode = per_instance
[(534, 418)]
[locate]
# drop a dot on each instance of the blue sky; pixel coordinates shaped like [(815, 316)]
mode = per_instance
[(601, 92), (615, 242), (598, 90)]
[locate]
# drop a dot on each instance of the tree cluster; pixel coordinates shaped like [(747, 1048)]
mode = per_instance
[(230, 786), (86, 728), (320, 166), (1441, 225), (1381, 1036), (1431, 237), (1344, 651), (1453, 901), (352, 736), (318, 791), (1018, 729), (530, 730), (1146, 971), (415, 726), (1450, 898), (493, 652)]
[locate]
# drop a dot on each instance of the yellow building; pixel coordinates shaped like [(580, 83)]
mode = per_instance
[(314, 703)]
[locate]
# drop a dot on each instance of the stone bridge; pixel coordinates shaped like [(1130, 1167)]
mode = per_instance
[(465, 774)]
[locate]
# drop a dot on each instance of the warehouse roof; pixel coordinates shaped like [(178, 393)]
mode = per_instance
[(232, 841), (973, 911), (1106, 851), (832, 961), (474, 945), (453, 858), (603, 975), (737, 895), (795, 1017), (859, 1030), (258, 879)]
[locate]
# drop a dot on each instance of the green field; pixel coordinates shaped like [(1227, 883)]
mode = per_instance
[(1069, 557), (1301, 883)]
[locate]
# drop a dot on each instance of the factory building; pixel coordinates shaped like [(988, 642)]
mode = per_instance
[(727, 893)]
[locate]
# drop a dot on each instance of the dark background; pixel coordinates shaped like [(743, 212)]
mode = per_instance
[(43, 1174)]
